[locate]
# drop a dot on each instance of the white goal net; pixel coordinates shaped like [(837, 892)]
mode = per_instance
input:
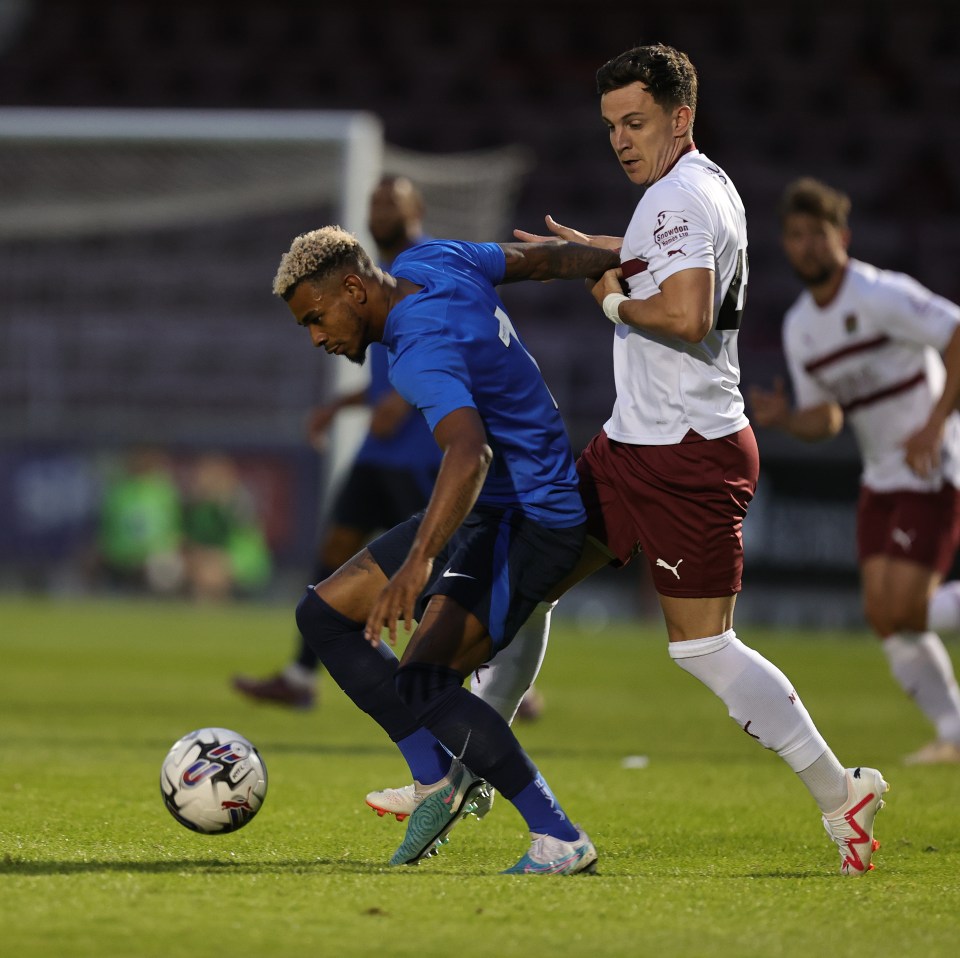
[(137, 250)]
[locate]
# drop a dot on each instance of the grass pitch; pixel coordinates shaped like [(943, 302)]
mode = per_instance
[(714, 848)]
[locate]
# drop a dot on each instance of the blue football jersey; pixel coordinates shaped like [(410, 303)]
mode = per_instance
[(451, 345)]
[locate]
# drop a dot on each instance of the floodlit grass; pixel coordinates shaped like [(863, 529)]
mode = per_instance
[(713, 849)]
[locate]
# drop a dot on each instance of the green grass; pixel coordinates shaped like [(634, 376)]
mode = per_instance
[(714, 849)]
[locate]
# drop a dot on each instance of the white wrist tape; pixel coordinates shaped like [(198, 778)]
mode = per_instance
[(611, 307)]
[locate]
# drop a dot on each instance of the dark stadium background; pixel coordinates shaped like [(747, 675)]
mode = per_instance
[(863, 95)]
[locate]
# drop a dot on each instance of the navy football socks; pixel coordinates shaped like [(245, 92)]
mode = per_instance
[(478, 736), (366, 674)]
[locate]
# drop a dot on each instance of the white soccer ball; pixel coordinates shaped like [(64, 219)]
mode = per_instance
[(213, 780)]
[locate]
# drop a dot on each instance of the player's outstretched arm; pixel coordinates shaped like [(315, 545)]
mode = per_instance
[(321, 418), (922, 449), (771, 409), (557, 259), (466, 459), (558, 230)]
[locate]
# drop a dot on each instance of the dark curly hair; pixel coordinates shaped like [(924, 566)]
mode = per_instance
[(667, 73)]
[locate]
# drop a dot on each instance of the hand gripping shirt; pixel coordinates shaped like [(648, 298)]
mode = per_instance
[(452, 345), (875, 350), (692, 217)]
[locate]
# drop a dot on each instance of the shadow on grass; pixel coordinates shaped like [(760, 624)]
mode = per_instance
[(267, 747), (789, 875), (11, 866)]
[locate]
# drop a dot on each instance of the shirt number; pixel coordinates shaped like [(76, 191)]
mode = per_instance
[(731, 309), (507, 332)]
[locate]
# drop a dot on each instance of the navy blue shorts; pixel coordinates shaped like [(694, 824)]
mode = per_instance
[(379, 497), (498, 565)]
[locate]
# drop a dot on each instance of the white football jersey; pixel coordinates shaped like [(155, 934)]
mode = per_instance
[(692, 217), (875, 350)]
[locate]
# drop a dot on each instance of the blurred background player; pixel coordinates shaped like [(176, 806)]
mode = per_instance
[(865, 345), (391, 476)]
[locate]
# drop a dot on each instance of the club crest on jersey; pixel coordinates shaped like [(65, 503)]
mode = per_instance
[(671, 228), (850, 322)]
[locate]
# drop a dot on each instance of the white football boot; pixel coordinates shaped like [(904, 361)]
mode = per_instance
[(402, 801), (553, 856), (393, 801), (851, 825)]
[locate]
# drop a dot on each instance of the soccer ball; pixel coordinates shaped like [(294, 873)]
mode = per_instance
[(213, 781)]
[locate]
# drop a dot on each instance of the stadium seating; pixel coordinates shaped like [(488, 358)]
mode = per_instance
[(854, 93)]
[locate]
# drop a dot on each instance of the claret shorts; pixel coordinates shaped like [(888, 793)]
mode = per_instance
[(681, 505)]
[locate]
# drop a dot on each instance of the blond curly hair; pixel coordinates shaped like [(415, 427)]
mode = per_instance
[(317, 254)]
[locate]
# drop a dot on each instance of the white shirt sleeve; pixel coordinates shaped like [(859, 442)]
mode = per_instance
[(671, 230), (908, 310)]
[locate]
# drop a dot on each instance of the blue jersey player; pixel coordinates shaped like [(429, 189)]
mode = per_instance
[(503, 525), (391, 475)]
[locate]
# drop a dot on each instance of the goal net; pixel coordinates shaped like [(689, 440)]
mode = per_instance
[(137, 250)]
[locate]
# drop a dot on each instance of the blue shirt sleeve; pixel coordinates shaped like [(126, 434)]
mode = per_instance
[(429, 369), (433, 377), (491, 260)]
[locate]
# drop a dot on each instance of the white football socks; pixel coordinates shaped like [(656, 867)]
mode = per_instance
[(503, 681), (766, 706), (922, 666), (943, 609)]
